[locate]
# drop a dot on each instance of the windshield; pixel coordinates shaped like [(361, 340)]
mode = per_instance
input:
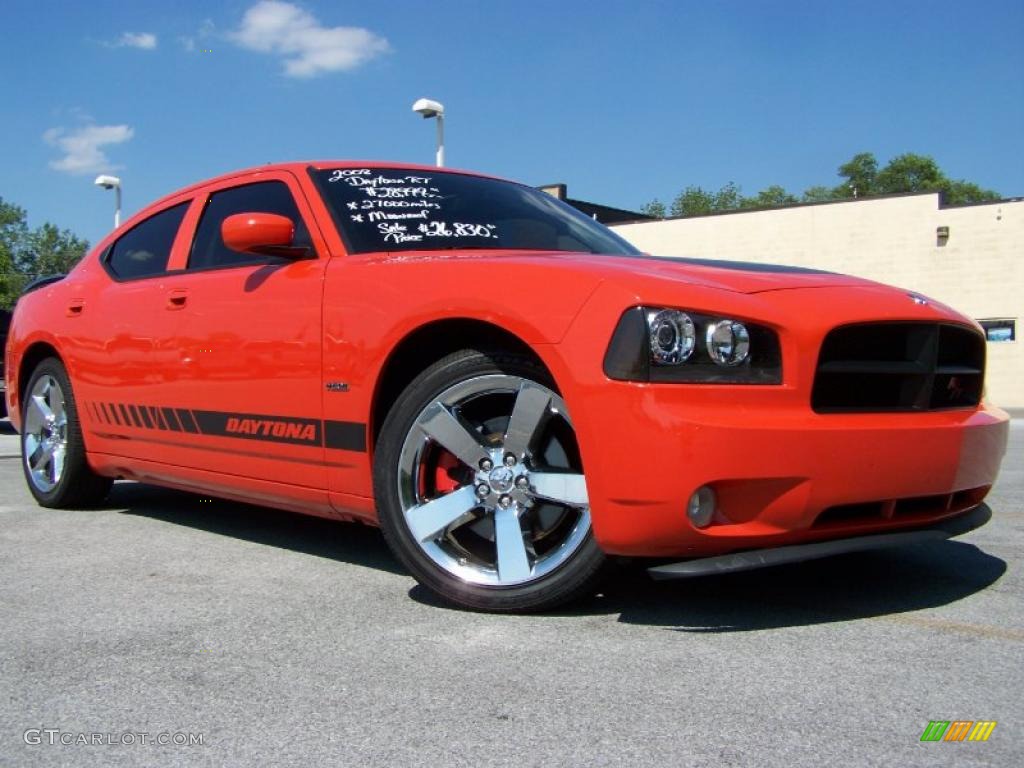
[(395, 209)]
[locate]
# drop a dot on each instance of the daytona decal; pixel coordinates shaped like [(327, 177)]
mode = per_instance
[(341, 435)]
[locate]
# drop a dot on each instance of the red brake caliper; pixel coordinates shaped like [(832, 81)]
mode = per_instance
[(448, 474)]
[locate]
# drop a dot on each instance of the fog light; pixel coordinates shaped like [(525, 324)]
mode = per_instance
[(701, 507)]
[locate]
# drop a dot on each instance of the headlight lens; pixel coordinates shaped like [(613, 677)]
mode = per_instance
[(660, 344), (672, 336), (728, 342)]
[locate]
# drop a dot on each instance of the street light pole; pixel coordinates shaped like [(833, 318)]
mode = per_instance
[(114, 183), (440, 140), (429, 108)]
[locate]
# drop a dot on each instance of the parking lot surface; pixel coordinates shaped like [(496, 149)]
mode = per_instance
[(286, 640)]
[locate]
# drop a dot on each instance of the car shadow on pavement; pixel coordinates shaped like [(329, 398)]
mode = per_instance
[(332, 539), (841, 588)]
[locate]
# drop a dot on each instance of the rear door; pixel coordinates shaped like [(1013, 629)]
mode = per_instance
[(117, 338), (248, 344)]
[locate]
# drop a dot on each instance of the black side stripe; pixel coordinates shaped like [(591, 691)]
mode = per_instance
[(171, 419), (337, 435), (126, 414), (345, 435), (250, 426), (186, 420)]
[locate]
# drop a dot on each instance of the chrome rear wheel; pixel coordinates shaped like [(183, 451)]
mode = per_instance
[(52, 446), (45, 434)]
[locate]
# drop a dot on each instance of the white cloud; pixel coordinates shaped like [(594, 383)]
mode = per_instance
[(82, 147), (144, 40), (308, 48), (191, 42)]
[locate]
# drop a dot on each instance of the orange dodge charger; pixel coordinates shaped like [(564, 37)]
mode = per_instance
[(512, 392)]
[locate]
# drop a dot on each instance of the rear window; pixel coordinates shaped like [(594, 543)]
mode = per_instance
[(145, 249), (388, 209)]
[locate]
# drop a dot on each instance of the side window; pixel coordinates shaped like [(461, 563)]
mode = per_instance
[(208, 249), (146, 247)]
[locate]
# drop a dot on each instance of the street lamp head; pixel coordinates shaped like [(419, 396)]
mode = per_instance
[(107, 182), (428, 108)]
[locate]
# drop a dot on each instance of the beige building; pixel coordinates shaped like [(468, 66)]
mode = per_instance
[(970, 257)]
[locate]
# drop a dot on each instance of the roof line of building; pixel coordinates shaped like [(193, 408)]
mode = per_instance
[(866, 198)]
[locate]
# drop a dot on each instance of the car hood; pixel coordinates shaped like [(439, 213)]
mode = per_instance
[(636, 271), (737, 276)]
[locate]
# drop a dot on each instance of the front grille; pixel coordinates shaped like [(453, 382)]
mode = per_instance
[(880, 367)]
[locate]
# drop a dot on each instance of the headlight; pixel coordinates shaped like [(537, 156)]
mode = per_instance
[(672, 336), (728, 342), (672, 345)]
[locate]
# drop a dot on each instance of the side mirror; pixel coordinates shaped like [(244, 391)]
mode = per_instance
[(264, 234)]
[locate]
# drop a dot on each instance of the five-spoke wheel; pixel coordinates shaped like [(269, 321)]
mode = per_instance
[(481, 488), (45, 433), (52, 449)]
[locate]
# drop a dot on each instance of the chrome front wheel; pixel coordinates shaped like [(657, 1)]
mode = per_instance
[(485, 497), (490, 481)]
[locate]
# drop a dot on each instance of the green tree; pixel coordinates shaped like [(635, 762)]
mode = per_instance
[(26, 253), (861, 174), (963, 192), (729, 197), (655, 208), (769, 197), (13, 234), (818, 194), (693, 201), (53, 251), (861, 177), (910, 173)]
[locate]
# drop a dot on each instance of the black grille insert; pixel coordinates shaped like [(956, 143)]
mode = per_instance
[(899, 367)]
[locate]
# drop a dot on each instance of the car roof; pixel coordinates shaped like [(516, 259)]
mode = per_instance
[(299, 167)]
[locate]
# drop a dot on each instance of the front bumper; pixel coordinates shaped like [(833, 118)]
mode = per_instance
[(764, 558), (783, 475)]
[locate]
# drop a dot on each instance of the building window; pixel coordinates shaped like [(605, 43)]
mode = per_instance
[(1000, 329)]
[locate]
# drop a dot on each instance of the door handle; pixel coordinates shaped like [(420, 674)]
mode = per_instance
[(177, 299), (75, 307)]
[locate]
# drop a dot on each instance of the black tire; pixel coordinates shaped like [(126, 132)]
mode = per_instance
[(73, 484), (560, 560)]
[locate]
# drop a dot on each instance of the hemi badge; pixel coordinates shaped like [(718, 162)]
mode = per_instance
[(337, 386)]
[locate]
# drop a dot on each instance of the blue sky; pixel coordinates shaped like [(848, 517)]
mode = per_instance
[(624, 101)]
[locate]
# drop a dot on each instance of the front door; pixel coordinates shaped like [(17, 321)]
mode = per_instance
[(248, 343)]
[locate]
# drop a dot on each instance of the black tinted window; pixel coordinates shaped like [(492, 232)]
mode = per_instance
[(389, 209), (208, 249), (146, 247)]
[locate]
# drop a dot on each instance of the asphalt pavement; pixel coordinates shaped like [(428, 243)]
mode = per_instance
[(277, 639)]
